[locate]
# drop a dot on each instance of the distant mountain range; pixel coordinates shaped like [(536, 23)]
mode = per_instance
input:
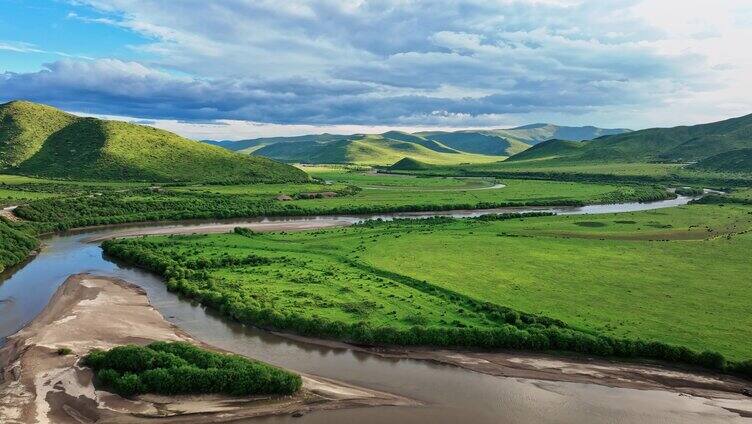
[(723, 146), (43, 141), (433, 147)]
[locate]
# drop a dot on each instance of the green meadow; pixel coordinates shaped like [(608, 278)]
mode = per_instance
[(677, 276)]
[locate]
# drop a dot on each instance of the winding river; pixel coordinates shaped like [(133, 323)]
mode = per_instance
[(451, 394)]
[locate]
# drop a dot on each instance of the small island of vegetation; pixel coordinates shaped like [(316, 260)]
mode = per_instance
[(171, 368)]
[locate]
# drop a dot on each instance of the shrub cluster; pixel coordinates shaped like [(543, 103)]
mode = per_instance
[(180, 368), (15, 244)]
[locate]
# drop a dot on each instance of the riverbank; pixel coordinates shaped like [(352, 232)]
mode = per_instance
[(708, 388), (86, 312)]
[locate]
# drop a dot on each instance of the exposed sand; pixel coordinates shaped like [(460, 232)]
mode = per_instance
[(716, 389), (8, 214), (40, 386)]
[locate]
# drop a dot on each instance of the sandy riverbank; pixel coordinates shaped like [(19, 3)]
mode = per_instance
[(715, 389), (40, 386)]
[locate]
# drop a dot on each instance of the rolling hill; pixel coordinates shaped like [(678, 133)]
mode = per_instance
[(431, 147), (684, 144), (732, 161), (43, 141), (369, 150)]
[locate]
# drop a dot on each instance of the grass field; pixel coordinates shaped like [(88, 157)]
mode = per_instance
[(675, 275), (400, 190), (354, 192), (668, 173)]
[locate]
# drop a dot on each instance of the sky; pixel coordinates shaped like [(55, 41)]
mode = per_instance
[(237, 69)]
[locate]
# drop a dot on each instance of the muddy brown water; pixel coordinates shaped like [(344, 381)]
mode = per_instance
[(451, 394)]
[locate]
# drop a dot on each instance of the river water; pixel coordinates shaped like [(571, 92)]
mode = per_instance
[(450, 394)]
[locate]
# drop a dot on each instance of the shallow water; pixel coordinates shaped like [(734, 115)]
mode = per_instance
[(451, 394)]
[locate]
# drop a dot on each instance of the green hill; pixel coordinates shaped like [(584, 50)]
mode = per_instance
[(536, 133), (731, 161), (250, 145), (43, 141), (374, 149), (478, 142), (24, 127), (550, 149), (409, 164), (677, 145), (434, 147)]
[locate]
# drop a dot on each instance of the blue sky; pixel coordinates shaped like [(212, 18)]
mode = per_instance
[(236, 69)]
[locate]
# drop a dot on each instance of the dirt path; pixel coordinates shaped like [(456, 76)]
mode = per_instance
[(40, 386), (8, 214)]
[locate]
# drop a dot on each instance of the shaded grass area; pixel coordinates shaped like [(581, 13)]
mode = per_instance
[(171, 368), (510, 282)]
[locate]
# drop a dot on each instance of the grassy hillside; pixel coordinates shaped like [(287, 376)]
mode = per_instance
[(550, 149), (24, 127), (371, 150), (42, 141), (433, 147), (731, 161), (479, 142), (409, 164), (515, 140), (536, 133), (679, 144)]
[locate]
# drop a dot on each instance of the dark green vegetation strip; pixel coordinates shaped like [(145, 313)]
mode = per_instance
[(327, 284), (16, 242), (171, 368)]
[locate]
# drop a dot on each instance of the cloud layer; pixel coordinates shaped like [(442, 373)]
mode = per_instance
[(403, 62)]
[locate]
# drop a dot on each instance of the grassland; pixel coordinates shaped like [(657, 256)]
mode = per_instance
[(621, 276)]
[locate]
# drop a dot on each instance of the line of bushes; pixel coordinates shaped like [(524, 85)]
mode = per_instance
[(16, 242), (171, 368), (512, 329), (718, 199)]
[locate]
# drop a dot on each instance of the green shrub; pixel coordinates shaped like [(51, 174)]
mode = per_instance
[(178, 367)]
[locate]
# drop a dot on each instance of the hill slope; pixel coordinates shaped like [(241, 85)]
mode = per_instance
[(368, 150), (435, 147), (678, 144), (43, 141), (550, 149), (731, 161), (536, 133)]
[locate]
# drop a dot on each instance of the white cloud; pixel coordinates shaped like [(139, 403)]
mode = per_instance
[(620, 63)]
